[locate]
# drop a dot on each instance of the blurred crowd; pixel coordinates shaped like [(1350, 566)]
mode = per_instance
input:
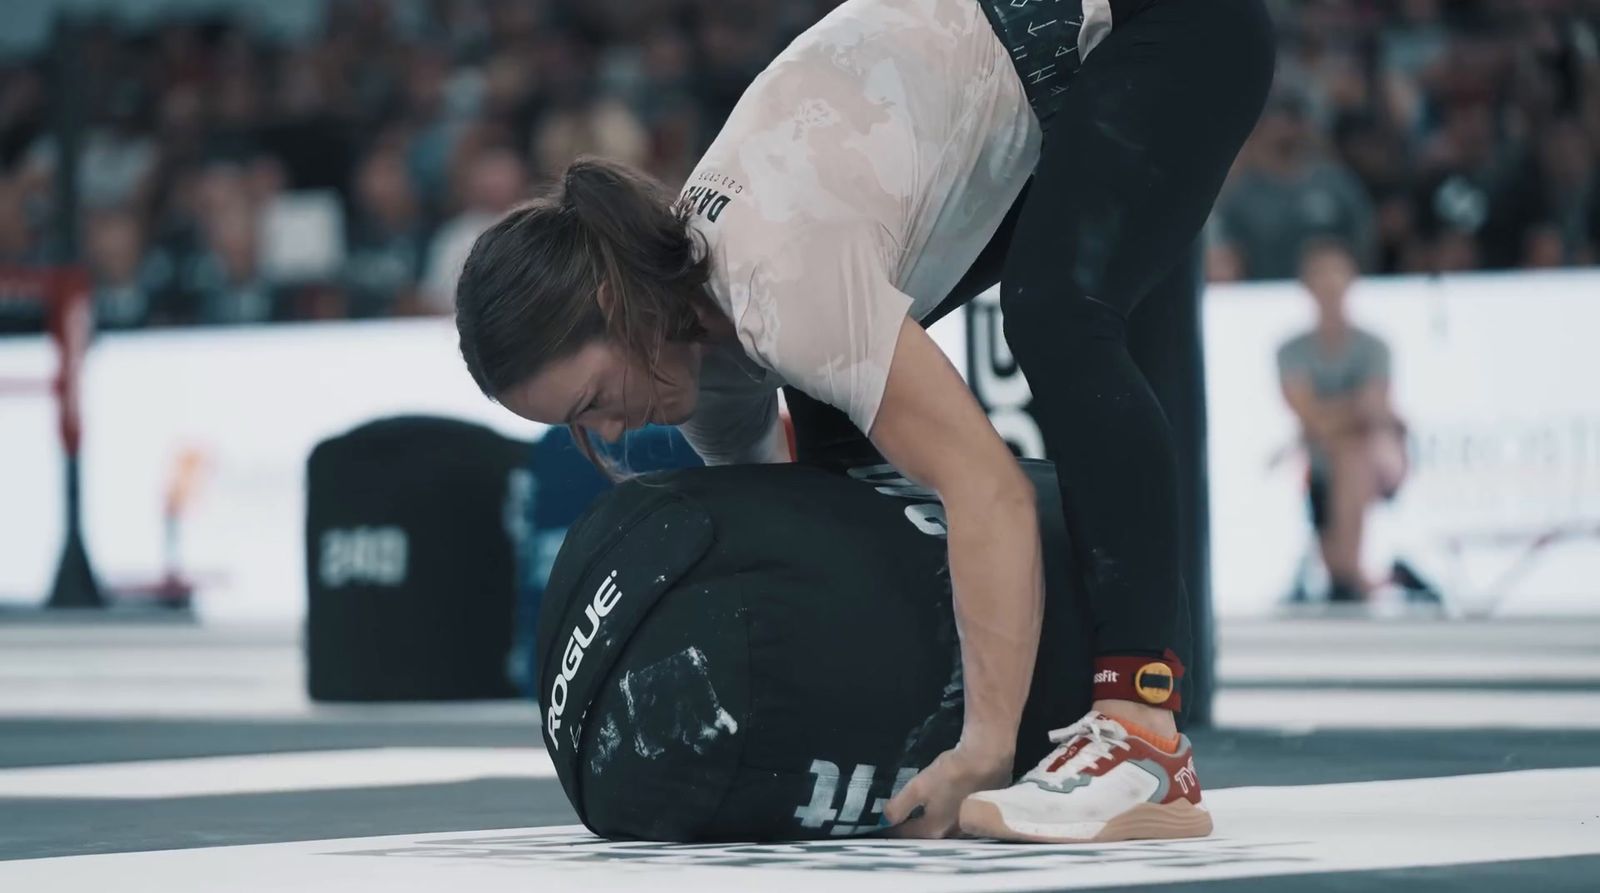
[(1429, 135), (226, 177)]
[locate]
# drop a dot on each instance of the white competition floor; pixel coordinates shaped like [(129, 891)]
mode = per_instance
[(1350, 755)]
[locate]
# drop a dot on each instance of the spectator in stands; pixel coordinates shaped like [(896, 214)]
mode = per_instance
[(672, 115), (735, 42), (23, 111), (116, 159), (387, 238), (18, 235), (1410, 45), (220, 279), (1378, 156), (20, 245), (229, 286), (1285, 194), (1569, 168), (656, 81), (605, 128), (174, 243), (433, 124), (1336, 380), (1551, 204), (495, 180), (1460, 196), (115, 253), (510, 99)]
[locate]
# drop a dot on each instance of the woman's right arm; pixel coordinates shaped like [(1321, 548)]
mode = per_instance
[(931, 427)]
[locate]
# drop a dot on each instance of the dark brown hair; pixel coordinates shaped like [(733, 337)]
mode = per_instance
[(529, 293)]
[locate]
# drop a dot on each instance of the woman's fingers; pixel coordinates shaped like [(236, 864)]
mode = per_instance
[(899, 808), (928, 807), (930, 823)]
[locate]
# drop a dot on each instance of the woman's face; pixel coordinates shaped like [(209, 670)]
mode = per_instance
[(602, 391)]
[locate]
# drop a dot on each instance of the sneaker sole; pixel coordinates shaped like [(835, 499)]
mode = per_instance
[(1146, 821)]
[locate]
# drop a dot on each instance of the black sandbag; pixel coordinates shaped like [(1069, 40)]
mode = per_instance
[(769, 652), (409, 574)]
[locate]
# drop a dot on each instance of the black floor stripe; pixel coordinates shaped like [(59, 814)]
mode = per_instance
[(1571, 873), (50, 742), (33, 829)]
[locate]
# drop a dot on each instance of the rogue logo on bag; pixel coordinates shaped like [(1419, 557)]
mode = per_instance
[(605, 598)]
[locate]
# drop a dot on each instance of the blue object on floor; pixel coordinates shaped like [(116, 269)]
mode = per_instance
[(562, 485)]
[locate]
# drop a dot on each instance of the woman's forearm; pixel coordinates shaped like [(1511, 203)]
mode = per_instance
[(999, 606)]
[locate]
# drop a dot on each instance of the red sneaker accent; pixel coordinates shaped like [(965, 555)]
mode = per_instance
[(1178, 761), (1069, 753), (1184, 784)]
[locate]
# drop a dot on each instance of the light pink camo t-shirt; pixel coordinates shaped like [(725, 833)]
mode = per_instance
[(853, 185)]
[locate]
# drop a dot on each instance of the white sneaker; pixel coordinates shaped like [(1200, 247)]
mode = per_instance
[(1100, 784)]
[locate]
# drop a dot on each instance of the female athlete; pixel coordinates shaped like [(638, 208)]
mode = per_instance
[(897, 158)]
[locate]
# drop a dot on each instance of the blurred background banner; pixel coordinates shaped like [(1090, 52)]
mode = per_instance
[(253, 403), (1494, 373)]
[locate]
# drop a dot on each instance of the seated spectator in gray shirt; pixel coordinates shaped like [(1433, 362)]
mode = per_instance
[(1286, 193), (1336, 380)]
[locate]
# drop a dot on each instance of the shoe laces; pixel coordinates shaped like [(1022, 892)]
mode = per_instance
[(1096, 737)]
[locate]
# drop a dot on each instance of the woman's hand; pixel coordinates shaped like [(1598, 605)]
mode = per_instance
[(930, 805)]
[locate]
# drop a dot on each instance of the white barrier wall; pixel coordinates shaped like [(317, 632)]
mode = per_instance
[(252, 402), (1497, 375)]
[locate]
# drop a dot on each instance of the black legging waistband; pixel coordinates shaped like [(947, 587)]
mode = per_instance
[(1043, 39)]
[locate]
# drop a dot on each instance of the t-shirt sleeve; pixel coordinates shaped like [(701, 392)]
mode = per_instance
[(828, 317), (735, 421)]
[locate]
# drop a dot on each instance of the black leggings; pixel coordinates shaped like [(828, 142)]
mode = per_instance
[(1097, 265)]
